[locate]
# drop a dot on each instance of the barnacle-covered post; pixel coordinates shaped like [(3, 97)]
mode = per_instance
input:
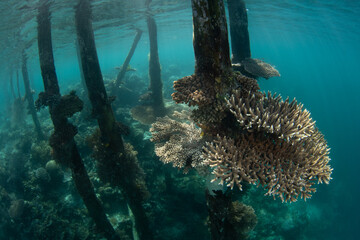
[(29, 97), (154, 69), (211, 44), (213, 75), (93, 78), (62, 140), (116, 162), (238, 20), (213, 70)]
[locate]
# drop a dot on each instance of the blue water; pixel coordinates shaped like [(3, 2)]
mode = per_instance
[(314, 44)]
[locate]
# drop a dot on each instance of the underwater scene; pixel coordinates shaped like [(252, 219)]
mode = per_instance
[(179, 119)]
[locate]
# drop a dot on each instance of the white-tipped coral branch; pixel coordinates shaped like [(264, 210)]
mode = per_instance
[(286, 170), (179, 143), (269, 113)]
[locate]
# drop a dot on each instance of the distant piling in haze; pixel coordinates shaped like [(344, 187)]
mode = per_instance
[(30, 99), (12, 90), (156, 84), (125, 65)]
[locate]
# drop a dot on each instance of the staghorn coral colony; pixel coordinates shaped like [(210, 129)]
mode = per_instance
[(270, 142), (247, 135)]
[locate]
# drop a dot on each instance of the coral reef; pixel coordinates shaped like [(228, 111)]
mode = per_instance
[(248, 138), (275, 142), (179, 143), (40, 152), (66, 106), (144, 114), (270, 114), (121, 169), (209, 101), (285, 170), (118, 168), (271, 142)]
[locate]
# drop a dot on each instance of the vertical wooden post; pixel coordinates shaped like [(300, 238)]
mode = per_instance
[(155, 70), (213, 67), (240, 42), (80, 66), (117, 167), (211, 45), (93, 78)]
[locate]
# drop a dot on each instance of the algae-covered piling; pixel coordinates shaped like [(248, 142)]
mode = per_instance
[(62, 140), (211, 48), (102, 110), (211, 44), (155, 70), (116, 164)]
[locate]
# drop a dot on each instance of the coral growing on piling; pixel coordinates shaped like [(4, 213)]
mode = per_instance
[(268, 113), (270, 142), (285, 170), (179, 143)]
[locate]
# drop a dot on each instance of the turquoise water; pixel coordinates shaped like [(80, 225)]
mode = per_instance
[(314, 45)]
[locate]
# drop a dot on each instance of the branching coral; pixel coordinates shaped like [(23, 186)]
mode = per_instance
[(285, 170), (288, 120), (176, 142), (257, 138), (275, 144)]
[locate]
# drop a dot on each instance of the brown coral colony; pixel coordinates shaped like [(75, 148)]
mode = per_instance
[(279, 148), (275, 144), (246, 135)]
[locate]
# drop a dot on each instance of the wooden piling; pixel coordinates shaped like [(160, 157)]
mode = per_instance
[(30, 99), (115, 165), (62, 140)]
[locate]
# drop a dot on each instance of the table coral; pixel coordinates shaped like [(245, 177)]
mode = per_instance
[(285, 170)]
